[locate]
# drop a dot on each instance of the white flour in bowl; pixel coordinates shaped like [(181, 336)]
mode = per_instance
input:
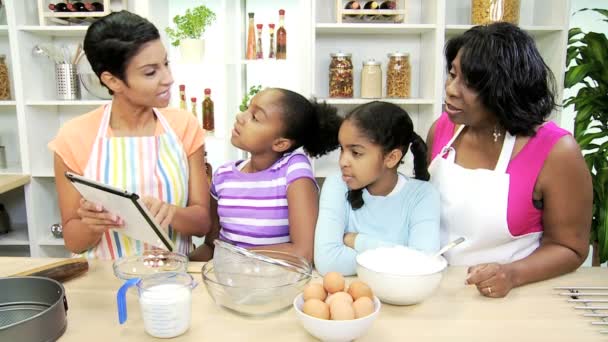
[(400, 260)]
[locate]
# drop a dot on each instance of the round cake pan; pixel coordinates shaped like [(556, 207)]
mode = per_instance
[(32, 309)]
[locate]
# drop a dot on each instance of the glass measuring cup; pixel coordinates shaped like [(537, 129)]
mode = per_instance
[(165, 300)]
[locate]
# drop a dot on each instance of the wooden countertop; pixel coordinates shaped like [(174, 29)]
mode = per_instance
[(456, 312), (9, 182)]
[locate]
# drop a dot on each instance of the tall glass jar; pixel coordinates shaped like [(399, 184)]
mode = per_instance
[(341, 75), (398, 75), (491, 11), (5, 83), (371, 80)]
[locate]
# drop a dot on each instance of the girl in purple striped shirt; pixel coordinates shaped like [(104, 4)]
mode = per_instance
[(253, 200)]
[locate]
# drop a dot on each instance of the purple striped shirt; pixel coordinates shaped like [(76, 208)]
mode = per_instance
[(252, 207)]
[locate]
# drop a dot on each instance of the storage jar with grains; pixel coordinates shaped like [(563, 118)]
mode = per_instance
[(398, 75), (492, 11), (341, 75), (371, 80), (5, 85)]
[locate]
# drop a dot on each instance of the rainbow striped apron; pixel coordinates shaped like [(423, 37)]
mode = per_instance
[(154, 166)]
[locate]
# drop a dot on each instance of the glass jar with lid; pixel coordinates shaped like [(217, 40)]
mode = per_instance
[(371, 79), (398, 75), (5, 83), (492, 11), (341, 75)]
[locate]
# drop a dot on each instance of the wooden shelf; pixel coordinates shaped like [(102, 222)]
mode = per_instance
[(358, 101), (374, 28), (56, 31), (17, 236), (9, 182)]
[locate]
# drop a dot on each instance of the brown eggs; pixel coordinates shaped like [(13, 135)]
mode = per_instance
[(315, 291), (341, 310), (331, 301), (363, 307), (341, 296), (358, 289), (316, 308), (333, 282)]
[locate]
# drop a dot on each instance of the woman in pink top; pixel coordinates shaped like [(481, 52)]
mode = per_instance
[(514, 185)]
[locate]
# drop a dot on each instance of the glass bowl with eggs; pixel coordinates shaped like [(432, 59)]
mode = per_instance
[(331, 311), (256, 283)]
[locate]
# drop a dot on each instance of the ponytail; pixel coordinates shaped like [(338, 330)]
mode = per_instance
[(419, 151), (309, 124), (355, 198)]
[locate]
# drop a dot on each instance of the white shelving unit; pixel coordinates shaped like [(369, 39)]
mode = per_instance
[(33, 117), (428, 25)]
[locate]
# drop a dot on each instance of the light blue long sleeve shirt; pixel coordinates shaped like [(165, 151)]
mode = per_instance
[(408, 216)]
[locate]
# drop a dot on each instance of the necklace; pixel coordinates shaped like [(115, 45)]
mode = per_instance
[(496, 133)]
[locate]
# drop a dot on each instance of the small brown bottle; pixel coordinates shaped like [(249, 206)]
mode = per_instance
[(281, 37), (208, 169), (208, 121)]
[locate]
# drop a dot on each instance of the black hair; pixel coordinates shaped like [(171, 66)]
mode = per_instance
[(501, 63), (311, 124), (113, 40), (389, 126)]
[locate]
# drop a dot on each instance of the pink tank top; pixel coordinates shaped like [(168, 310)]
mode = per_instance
[(523, 170)]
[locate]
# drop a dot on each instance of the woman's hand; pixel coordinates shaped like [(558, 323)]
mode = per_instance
[(492, 280), (97, 218), (349, 239), (161, 211)]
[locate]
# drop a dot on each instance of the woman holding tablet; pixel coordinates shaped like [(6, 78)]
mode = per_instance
[(132, 145)]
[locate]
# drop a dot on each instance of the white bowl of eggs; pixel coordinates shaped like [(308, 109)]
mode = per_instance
[(330, 312), (400, 275)]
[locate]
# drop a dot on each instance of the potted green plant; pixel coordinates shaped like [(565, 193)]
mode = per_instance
[(248, 96), (587, 70), (189, 30)]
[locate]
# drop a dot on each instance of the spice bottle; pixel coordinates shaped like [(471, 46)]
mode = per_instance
[(193, 103), (281, 37), (271, 46), (491, 11), (341, 75), (5, 84), (208, 120), (371, 80), (208, 169), (182, 97), (258, 48), (398, 75), (251, 38)]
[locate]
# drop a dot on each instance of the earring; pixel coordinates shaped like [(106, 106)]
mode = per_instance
[(496, 133)]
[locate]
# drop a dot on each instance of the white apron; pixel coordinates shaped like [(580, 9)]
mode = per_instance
[(149, 166), (474, 206)]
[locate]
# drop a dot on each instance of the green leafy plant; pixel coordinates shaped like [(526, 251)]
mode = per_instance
[(587, 62), (248, 96), (190, 25)]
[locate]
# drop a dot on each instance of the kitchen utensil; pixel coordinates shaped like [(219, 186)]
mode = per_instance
[(594, 306), (66, 82), (32, 309), (250, 290), (328, 330), (61, 271), (150, 262), (57, 230), (165, 300), (48, 51), (228, 253), (449, 246)]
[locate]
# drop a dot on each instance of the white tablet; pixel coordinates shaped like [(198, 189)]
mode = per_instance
[(139, 224)]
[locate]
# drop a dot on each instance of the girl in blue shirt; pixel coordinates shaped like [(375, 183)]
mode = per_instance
[(370, 204)]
